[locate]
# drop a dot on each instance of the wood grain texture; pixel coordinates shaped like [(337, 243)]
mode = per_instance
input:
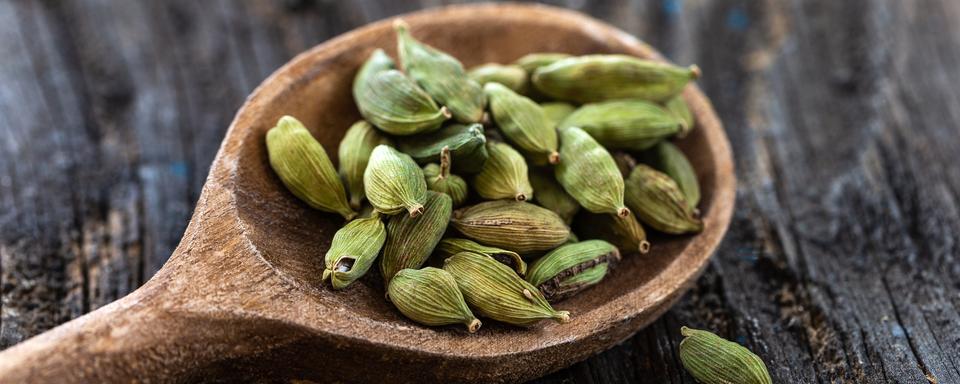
[(840, 265)]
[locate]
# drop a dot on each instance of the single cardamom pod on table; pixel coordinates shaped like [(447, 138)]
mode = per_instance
[(567, 270), (589, 173), (592, 78), (669, 159), (504, 175), (467, 145), (713, 360), (354, 153), (511, 76), (624, 232), (452, 246), (353, 250), (658, 201), (520, 227), (394, 183), (495, 291), (440, 179), (393, 102), (430, 296), (550, 194), (679, 108), (627, 124), (410, 240), (522, 122), (556, 111), (304, 168)]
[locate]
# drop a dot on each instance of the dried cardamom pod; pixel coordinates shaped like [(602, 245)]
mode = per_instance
[(627, 124), (393, 182), (551, 195), (667, 158), (713, 360), (441, 75), (564, 271), (520, 227), (467, 145), (679, 108), (511, 76), (658, 201), (556, 111), (354, 153), (452, 246), (430, 296), (410, 240), (495, 291), (624, 232), (532, 61), (304, 168), (589, 174), (353, 250), (440, 179), (393, 102), (523, 122), (592, 78), (504, 175)]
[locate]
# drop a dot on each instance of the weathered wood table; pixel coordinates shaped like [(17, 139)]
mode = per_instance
[(840, 265)]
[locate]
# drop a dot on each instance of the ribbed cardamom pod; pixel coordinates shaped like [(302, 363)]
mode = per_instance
[(354, 153), (393, 182), (504, 176), (592, 78), (511, 76), (353, 250), (589, 174), (658, 201), (523, 122), (567, 270), (393, 102), (713, 360), (410, 240), (520, 227), (467, 145), (430, 296), (667, 158), (532, 61), (679, 108), (627, 124), (441, 75), (624, 232), (556, 111), (304, 168), (550, 194), (495, 291), (440, 179), (452, 246)]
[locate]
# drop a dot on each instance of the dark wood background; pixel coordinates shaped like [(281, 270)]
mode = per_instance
[(840, 265)]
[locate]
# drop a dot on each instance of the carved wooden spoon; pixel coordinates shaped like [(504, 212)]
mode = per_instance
[(241, 296)]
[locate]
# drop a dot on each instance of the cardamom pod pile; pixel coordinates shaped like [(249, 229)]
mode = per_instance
[(465, 184)]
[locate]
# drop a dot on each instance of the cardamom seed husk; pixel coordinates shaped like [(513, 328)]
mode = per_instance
[(556, 111), (511, 76), (393, 182), (667, 158), (523, 122), (679, 108), (440, 179), (571, 268), (713, 360), (467, 145), (520, 227), (627, 124), (353, 250), (410, 240), (354, 153), (658, 201), (452, 246), (430, 296), (592, 78), (304, 168), (624, 232), (590, 176), (504, 175), (550, 194), (393, 102), (495, 291)]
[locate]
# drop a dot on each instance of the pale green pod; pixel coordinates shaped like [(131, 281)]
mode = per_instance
[(440, 179), (626, 124), (523, 122), (658, 201), (495, 291), (467, 144), (592, 78), (410, 240), (531, 62), (304, 168), (571, 268), (520, 227), (354, 153), (353, 250), (550, 194), (452, 246), (624, 232), (556, 111), (713, 360), (504, 175), (589, 174), (511, 76), (430, 296), (669, 159), (441, 76), (393, 182), (679, 108), (393, 102)]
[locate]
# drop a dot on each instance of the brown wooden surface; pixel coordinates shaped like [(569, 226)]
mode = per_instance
[(841, 261)]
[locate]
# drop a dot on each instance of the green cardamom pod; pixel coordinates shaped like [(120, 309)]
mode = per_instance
[(440, 179), (523, 122), (564, 271), (658, 201), (625, 162), (627, 124), (511, 76), (354, 153), (393, 182), (624, 232), (592, 78), (304, 168), (452, 246), (467, 145), (520, 227), (556, 111), (353, 250), (410, 240), (430, 296), (589, 174), (551, 195), (504, 175), (679, 108), (393, 102), (572, 238), (532, 61), (667, 158), (713, 360), (495, 291), (441, 75)]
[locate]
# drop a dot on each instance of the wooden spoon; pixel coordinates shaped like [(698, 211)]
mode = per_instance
[(241, 296)]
